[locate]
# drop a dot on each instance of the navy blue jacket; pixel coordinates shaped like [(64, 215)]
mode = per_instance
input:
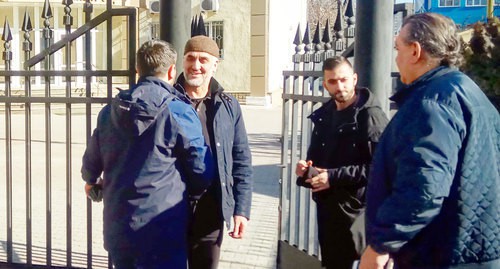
[(149, 147), (232, 152), (433, 192)]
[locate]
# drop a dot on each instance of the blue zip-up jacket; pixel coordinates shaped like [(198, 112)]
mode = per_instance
[(149, 147), (433, 196), (232, 152)]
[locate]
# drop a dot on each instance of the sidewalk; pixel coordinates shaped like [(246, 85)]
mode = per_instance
[(259, 248)]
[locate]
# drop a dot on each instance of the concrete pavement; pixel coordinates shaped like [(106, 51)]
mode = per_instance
[(258, 249)]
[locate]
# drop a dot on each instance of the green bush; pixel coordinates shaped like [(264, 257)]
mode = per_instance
[(482, 58)]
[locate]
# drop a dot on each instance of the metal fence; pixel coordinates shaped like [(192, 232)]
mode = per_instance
[(302, 94), (49, 223)]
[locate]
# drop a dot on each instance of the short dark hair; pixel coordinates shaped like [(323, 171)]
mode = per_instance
[(437, 35), (334, 62), (155, 57)]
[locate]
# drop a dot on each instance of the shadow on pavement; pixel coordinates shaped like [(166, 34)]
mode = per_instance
[(266, 154)]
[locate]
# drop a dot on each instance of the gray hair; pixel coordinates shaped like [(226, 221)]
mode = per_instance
[(155, 57), (437, 35)]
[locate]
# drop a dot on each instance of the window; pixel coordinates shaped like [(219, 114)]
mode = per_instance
[(449, 3), (215, 30), (155, 30), (476, 3)]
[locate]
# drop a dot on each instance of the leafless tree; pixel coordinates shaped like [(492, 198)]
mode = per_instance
[(321, 10)]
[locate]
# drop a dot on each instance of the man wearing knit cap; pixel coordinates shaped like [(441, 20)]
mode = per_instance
[(229, 197)]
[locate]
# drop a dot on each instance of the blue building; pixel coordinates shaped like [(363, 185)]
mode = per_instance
[(463, 12)]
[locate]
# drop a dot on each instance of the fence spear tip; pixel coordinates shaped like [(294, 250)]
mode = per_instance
[(297, 40), (7, 34), (47, 10), (307, 38), (317, 39), (27, 26), (327, 37)]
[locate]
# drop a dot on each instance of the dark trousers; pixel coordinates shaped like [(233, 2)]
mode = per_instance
[(206, 233), (335, 238), (124, 259)]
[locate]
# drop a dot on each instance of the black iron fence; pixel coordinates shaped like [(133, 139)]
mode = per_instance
[(48, 108)]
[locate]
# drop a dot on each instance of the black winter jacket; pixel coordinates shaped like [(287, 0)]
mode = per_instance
[(232, 152), (352, 144)]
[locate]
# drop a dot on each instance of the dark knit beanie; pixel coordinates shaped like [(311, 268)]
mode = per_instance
[(202, 43)]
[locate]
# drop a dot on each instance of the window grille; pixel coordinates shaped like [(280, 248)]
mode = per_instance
[(155, 30), (215, 30)]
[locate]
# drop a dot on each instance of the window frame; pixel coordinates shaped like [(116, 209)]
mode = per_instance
[(474, 4), (445, 6)]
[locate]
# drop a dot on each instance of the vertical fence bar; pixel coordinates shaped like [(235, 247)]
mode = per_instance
[(88, 9), (284, 209), (68, 22), (47, 36), (7, 57), (303, 193), (132, 48), (27, 47), (109, 52)]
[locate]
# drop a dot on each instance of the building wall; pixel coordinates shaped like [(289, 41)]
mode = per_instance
[(234, 69), (463, 15), (284, 17)]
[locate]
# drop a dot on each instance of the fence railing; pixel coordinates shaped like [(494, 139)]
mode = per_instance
[(49, 223)]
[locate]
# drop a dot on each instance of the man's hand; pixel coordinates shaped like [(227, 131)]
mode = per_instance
[(88, 187), (374, 260), (240, 224), (301, 167), (319, 182)]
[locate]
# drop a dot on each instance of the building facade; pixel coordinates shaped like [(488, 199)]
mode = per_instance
[(463, 12)]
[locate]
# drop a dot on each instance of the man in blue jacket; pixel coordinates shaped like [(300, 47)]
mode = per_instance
[(433, 192), (230, 195), (149, 147)]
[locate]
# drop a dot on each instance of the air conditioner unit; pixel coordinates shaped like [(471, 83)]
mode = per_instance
[(210, 5), (154, 6)]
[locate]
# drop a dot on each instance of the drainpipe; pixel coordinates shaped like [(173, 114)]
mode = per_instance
[(489, 10), (373, 47), (175, 25)]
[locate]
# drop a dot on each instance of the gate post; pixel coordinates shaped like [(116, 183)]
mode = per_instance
[(372, 52), (175, 24)]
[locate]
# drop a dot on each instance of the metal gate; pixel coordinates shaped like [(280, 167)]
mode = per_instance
[(48, 108)]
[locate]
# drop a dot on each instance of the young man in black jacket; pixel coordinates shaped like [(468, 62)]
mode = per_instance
[(230, 195), (346, 129)]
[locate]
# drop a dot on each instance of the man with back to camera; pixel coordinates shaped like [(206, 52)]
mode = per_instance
[(433, 192), (150, 149), (346, 130), (230, 194)]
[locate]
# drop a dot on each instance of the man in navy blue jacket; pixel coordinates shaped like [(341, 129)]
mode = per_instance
[(149, 148), (433, 191), (229, 197)]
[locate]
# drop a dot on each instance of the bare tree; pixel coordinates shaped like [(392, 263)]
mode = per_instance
[(321, 10)]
